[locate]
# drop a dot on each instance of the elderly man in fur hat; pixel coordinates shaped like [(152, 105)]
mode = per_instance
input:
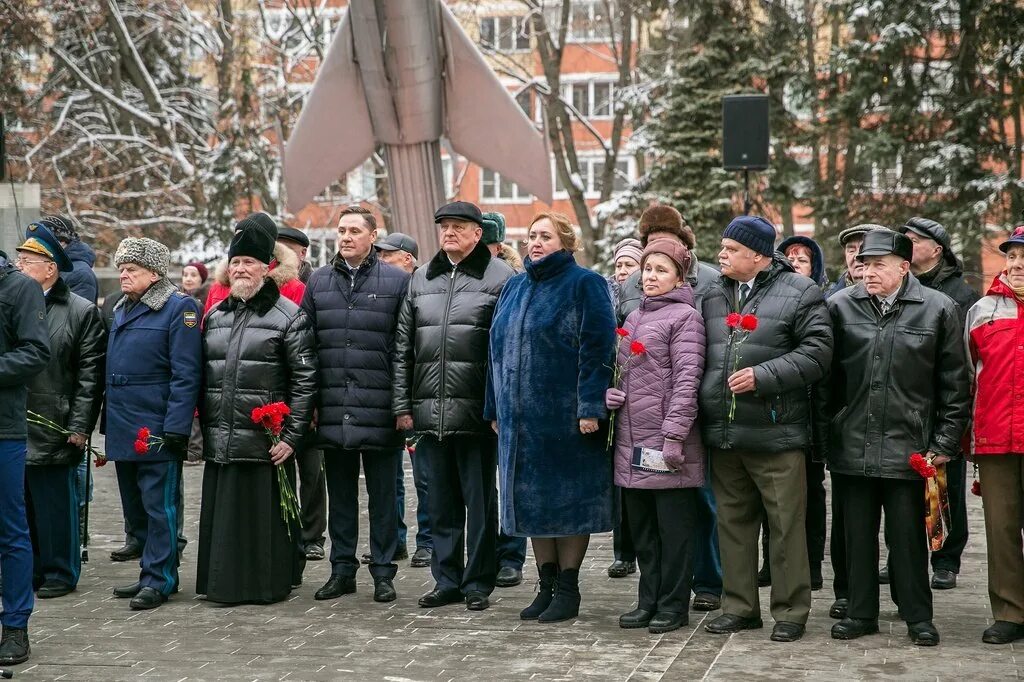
[(154, 366)]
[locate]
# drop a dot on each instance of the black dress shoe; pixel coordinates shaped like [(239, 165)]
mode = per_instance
[(384, 590), (639, 618), (728, 623), (1003, 632), (923, 633), (705, 601), (764, 576), (852, 628), (401, 554), (508, 576), (667, 621), (441, 597), (14, 648), (54, 588), (336, 586), (477, 601), (787, 632), (127, 591), (943, 579), (314, 552), (838, 608), (620, 569), (147, 598), (883, 575), (131, 550), (365, 558), (421, 559)]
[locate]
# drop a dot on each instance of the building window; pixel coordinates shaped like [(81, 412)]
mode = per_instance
[(588, 21), (505, 34), (493, 188), (593, 99), (591, 169)]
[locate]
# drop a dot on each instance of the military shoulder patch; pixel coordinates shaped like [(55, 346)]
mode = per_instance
[(190, 318)]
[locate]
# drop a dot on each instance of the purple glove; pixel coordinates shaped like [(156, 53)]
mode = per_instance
[(614, 398), (672, 451)]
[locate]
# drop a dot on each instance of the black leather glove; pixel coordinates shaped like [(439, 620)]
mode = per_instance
[(176, 444)]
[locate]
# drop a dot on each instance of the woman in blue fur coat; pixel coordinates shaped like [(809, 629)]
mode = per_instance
[(552, 342)]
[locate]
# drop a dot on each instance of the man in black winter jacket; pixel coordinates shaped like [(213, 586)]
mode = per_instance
[(353, 306), (24, 352), (937, 267), (68, 393), (898, 386), (440, 379), (755, 412)]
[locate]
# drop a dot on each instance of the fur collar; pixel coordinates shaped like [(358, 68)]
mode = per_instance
[(156, 296), (261, 303), (59, 292), (284, 268), (473, 265)]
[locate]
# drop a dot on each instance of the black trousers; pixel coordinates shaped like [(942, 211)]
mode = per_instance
[(663, 525), (312, 492), (816, 515), (380, 468), (51, 500), (948, 557), (837, 543), (863, 499), (622, 537), (463, 509)]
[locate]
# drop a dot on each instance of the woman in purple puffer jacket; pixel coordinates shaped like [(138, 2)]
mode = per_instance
[(659, 458)]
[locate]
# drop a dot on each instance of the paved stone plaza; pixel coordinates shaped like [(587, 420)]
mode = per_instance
[(90, 635)]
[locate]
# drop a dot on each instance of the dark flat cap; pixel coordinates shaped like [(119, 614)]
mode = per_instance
[(460, 210), (885, 242), (396, 241), (858, 231), (293, 235), (929, 229)]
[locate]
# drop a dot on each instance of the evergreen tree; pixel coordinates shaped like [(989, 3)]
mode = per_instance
[(708, 50)]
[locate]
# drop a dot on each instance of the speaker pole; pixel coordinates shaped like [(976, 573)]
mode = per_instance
[(746, 191)]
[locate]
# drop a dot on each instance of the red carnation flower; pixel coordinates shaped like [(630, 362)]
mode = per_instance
[(921, 465), (749, 322), (976, 488), (101, 462), (732, 320), (141, 447), (143, 434), (621, 332), (257, 414), (636, 348)]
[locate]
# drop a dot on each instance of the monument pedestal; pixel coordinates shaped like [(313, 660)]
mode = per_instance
[(19, 206)]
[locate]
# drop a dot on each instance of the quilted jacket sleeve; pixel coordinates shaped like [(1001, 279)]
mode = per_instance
[(809, 360), (300, 352)]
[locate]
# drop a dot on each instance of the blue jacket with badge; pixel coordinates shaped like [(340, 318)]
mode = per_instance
[(154, 367)]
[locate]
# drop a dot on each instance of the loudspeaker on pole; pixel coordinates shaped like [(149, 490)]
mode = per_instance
[(745, 132)]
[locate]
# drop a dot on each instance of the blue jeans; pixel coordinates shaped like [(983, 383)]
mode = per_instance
[(424, 538), (707, 562), (15, 542)]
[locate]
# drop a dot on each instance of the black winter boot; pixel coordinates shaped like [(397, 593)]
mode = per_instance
[(566, 604), (14, 648), (545, 592)]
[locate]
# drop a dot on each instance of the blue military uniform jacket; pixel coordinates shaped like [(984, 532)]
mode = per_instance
[(154, 366)]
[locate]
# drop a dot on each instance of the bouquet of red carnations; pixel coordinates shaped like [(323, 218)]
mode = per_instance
[(619, 370), (937, 517), (271, 417)]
